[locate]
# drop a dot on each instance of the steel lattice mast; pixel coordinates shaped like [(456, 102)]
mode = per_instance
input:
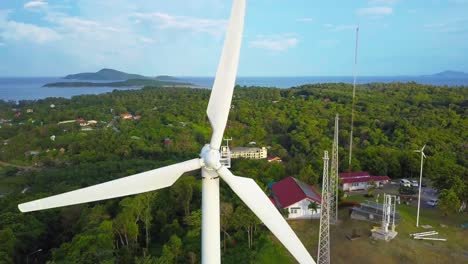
[(333, 191), (354, 94), (324, 235)]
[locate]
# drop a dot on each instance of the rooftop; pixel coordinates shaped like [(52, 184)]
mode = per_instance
[(290, 190)]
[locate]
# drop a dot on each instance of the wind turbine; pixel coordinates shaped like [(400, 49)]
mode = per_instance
[(209, 163), (420, 181)]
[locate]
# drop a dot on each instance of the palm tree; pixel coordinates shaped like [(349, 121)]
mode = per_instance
[(313, 206)]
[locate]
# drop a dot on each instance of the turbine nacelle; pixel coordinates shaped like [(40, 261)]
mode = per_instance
[(210, 158)]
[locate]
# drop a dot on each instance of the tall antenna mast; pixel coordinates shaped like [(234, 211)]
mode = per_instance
[(324, 235), (334, 176), (354, 94)]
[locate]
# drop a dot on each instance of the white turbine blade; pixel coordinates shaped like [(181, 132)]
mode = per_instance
[(138, 183), (416, 151), (221, 94), (423, 148), (424, 155), (249, 192)]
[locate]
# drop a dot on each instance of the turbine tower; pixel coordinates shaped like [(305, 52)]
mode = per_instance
[(209, 163), (334, 176), (324, 233), (354, 95), (420, 181)]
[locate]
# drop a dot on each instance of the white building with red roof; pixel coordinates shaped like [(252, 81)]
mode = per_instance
[(295, 196), (360, 180)]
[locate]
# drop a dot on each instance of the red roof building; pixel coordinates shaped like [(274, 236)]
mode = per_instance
[(295, 196), (126, 116), (360, 180)]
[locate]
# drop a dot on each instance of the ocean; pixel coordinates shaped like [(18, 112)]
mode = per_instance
[(16, 89)]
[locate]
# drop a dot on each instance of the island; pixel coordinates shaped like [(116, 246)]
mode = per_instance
[(127, 83), (448, 74)]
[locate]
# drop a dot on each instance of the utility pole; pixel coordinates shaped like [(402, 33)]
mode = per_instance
[(352, 108), (324, 234), (334, 176)]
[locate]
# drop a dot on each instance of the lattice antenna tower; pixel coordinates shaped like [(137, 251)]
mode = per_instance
[(354, 95), (334, 177), (324, 234)]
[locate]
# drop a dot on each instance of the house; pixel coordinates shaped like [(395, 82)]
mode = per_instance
[(17, 114), (274, 159), (137, 117), (361, 180), (295, 196), (249, 153), (29, 110), (92, 122), (32, 153), (126, 116), (81, 121), (52, 106), (167, 141)]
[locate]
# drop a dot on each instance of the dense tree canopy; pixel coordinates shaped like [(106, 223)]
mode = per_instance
[(296, 124)]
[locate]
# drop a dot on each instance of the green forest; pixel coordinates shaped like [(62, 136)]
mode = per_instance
[(41, 155)]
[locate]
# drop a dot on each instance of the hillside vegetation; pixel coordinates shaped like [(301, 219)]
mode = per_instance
[(296, 124)]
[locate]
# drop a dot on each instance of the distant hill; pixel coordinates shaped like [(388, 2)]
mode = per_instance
[(166, 78), (449, 74), (105, 74), (127, 83), (113, 75)]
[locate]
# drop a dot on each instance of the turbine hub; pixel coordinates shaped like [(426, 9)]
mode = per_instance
[(210, 158)]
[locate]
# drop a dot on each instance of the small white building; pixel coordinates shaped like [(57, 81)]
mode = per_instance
[(361, 180), (295, 196), (249, 153)]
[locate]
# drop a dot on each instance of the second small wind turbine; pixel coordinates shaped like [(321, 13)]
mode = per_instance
[(420, 181)]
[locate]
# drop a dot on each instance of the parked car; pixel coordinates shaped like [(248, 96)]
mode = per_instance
[(414, 183), (405, 183), (432, 202)]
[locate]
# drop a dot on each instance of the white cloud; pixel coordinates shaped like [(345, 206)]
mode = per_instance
[(29, 32), (454, 26), (33, 5), (146, 40), (375, 11), (382, 2), (328, 42), (305, 19), (333, 27), (274, 42), (71, 24), (167, 21)]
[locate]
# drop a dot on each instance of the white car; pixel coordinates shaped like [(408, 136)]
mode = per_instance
[(414, 183), (405, 183), (432, 202)]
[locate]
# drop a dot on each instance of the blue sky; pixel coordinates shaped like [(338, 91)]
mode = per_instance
[(281, 38)]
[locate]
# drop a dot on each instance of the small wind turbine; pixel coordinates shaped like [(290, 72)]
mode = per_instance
[(420, 181), (209, 163)]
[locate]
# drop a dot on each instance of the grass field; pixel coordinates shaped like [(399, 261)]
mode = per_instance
[(402, 249)]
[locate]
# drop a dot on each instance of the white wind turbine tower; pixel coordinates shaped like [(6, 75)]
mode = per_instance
[(420, 182), (209, 163)]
